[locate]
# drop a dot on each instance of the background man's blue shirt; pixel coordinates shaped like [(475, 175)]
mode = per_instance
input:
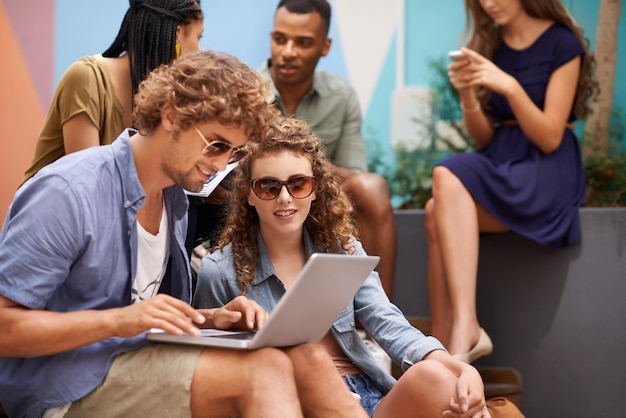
[(69, 242)]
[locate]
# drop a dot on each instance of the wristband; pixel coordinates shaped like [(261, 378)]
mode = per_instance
[(471, 109)]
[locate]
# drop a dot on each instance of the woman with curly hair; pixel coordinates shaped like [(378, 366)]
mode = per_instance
[(289, 204), (93, 102), (525, 78)]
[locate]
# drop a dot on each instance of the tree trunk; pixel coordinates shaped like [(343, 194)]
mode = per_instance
[(598, 123)]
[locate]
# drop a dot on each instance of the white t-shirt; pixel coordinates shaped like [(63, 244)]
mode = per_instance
[(152, 256)]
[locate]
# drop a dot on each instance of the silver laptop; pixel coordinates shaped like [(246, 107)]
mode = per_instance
[(305, 313)]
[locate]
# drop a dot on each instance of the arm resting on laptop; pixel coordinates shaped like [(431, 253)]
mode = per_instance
[(30, 332)]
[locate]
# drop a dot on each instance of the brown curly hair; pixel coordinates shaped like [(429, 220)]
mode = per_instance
[(484, 37), (329, 222), (205, 86)]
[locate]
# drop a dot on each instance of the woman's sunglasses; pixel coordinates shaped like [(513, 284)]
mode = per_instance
[(217, 148), (267, 188)]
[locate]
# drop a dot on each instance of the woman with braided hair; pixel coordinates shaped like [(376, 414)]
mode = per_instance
[(92, 104)]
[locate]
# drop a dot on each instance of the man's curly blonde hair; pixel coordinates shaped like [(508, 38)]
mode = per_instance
[(205, 86), (329, 223)]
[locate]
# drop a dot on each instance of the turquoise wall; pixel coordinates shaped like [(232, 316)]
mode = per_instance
[(241, 27), (365, 47)]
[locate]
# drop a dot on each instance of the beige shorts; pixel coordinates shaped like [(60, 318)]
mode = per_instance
[(153, 381)]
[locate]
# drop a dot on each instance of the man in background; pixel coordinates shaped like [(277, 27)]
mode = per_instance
[(330, 106)]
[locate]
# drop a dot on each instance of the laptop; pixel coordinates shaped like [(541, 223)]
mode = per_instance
[(305, 313)]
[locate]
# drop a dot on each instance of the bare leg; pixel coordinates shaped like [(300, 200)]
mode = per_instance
[(458, 220), (425, 391), (374, 216), (244, 384), (439, 296), (321, 390)]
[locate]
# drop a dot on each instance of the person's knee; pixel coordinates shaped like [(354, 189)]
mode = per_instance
[(444, 181), (430, 373), (428, 384), (271, 359), (256, 365), (439, 175), (369, 190), (366, 184), (313, 355)]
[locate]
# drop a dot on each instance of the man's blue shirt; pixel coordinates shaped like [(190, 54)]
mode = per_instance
[(69, 242)]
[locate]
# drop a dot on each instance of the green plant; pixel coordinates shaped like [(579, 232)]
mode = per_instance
[(606, 180), (410, 180), (445, 107)]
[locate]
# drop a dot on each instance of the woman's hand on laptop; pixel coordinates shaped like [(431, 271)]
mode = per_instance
[(239, 313)]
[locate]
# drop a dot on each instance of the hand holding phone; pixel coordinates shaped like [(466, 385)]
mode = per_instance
[(457, 55)]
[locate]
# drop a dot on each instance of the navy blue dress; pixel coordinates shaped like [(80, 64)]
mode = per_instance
[(534, 194)]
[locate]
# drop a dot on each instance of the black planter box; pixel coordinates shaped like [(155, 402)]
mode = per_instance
[(558, 317)]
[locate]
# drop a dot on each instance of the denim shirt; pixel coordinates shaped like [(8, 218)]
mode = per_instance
[(69, 243), (217, 285)]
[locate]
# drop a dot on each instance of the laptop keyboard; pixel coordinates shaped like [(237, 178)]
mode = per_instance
[(237, 335)]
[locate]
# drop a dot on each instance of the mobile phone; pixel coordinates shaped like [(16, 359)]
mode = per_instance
[(457, 55)]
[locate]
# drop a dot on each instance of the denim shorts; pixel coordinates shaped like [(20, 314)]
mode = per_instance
[(367, 389)]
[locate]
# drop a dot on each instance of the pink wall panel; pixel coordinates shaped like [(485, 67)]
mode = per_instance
[(21, 113), (32, 22)]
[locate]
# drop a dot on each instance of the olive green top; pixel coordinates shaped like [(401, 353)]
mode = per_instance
[(84, 87)]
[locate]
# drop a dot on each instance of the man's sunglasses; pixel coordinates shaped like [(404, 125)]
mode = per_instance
[(217, 148), (268, 188)]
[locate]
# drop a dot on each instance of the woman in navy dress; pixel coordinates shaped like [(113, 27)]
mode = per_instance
[(525, 78)]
